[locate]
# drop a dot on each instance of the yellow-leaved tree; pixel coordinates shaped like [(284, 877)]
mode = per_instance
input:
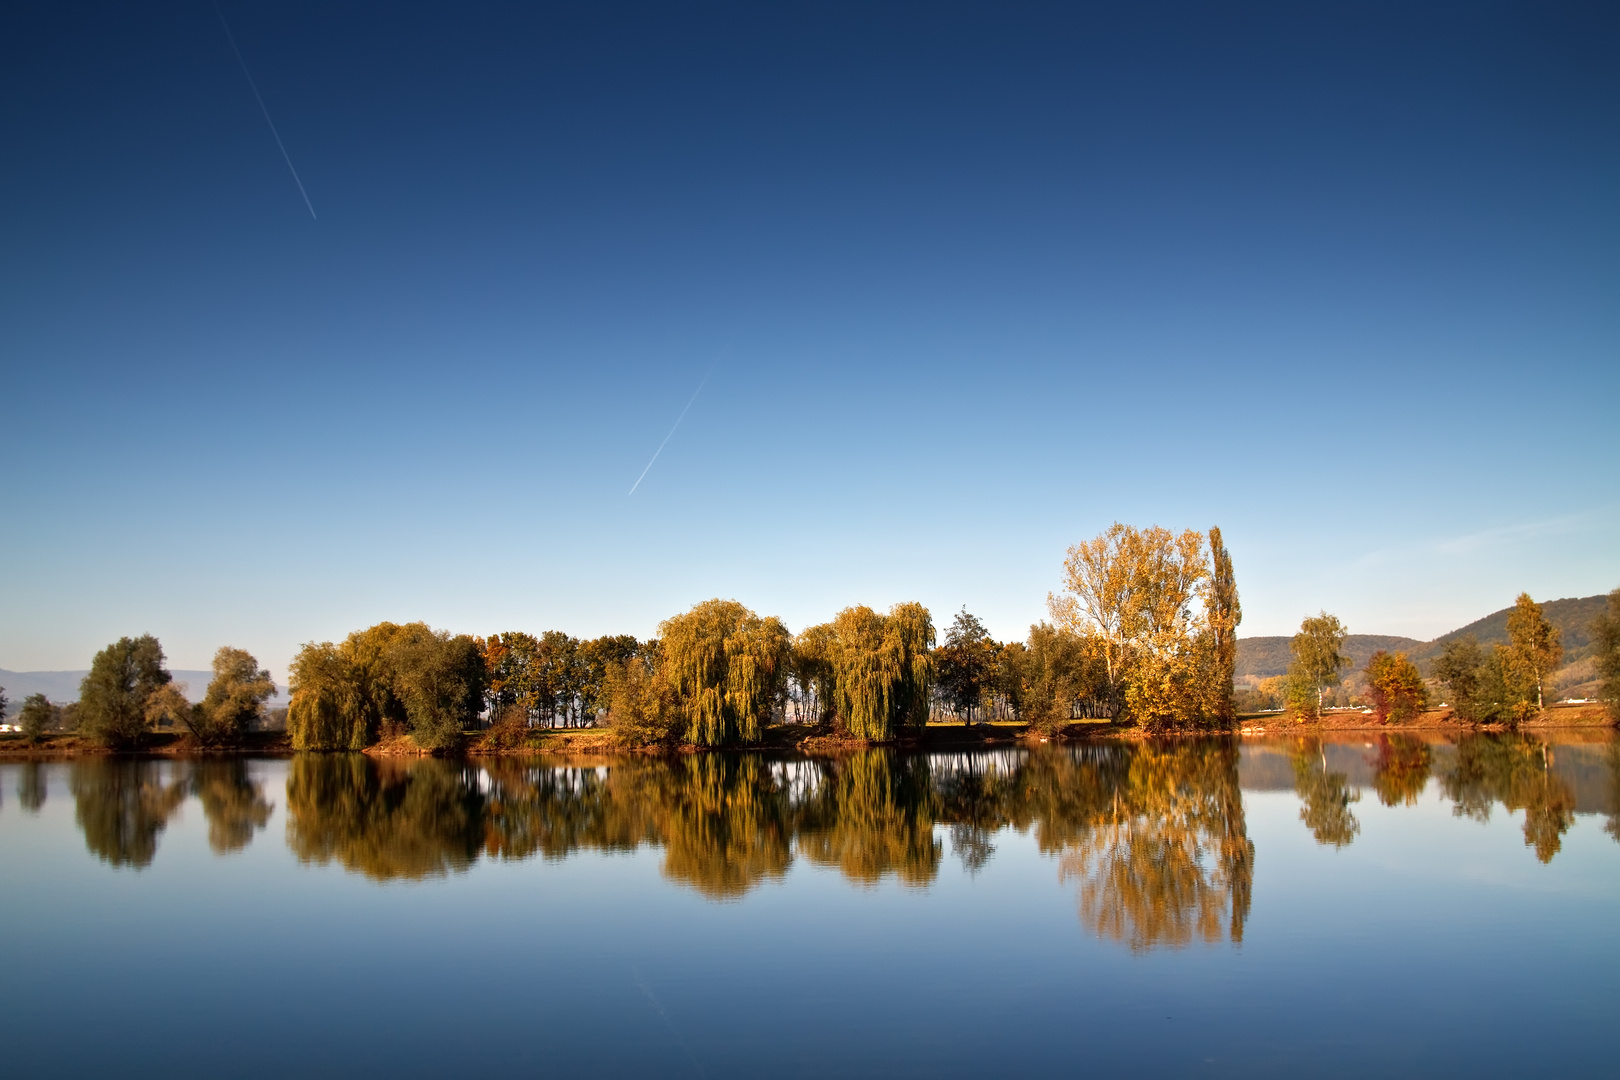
[(1163, 623), (726, 667)]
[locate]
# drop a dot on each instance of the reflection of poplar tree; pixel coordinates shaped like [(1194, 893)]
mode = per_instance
[(1515, 770), (1168, 859)]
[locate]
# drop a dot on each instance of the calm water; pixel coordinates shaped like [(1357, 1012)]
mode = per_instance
[(1388, 906)]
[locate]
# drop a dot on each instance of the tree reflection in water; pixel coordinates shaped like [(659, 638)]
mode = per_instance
[(123, 806), (1154, 834), (1167, 860), (233, 804), (1324, 796), (1402, 771), (385, 819), (31, 786), (1515, 770)]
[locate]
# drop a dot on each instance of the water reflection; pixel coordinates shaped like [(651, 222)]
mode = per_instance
[(1515, 770), (385, 819), (1324, 794), (122, 807), (31, 786), (1151, 836)]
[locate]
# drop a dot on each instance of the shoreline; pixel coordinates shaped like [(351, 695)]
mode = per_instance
[(822, 742)]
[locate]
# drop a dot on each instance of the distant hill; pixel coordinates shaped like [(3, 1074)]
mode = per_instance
[(1263, 657), (63, 686)]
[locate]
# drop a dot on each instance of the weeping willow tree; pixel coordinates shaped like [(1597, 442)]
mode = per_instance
[(882, 669), (727, 667), (383, 680)]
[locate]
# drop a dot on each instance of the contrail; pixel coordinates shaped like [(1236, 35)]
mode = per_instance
[(665, 1016), (255, 88), (678, 420)]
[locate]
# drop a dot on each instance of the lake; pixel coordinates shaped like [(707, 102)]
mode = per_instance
[(1386, 905)]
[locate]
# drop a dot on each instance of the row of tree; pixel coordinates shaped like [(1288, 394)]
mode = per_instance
[(1145, 629), (1504, 684)]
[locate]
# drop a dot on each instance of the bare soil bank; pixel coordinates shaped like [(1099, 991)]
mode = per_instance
[(795, 738)]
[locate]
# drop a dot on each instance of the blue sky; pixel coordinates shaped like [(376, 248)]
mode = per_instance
[(973, 282)]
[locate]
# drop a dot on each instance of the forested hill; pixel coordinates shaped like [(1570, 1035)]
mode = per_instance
[(1263, 657)]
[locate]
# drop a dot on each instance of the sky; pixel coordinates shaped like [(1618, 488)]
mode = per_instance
[(961, 285)]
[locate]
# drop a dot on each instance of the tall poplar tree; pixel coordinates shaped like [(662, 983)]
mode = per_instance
[(1223, 613)]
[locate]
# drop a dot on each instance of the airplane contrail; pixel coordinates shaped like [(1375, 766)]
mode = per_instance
[(678, 420), (255, 88)]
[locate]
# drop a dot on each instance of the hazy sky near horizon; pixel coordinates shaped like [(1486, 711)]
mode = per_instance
[(969, 283)]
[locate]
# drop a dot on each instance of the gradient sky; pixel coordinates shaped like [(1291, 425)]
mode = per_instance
[(973, 282)]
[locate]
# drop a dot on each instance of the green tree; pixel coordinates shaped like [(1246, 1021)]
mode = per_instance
[(333, 704), (234, 700), (965, 666), (113, 696), (1606, 643), (642, 708), (727, 667), (883, 669), (1533, 646), (37, 717), (5, 702), (440, 678), (1396, 687), (1318, 658), (1458, 667)]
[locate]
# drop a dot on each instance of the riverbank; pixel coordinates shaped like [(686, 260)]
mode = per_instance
[(798, 738)]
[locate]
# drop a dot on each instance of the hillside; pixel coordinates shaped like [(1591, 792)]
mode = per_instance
[(1262, 657)]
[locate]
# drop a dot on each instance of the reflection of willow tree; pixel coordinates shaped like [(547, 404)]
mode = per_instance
[(1402, 770), (122, 806), (31, 786), (725, 824), (1167, 858), (871, 815), (1325, 797), (232, 802), (385, 819), (552, 812), (1516, 771)]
